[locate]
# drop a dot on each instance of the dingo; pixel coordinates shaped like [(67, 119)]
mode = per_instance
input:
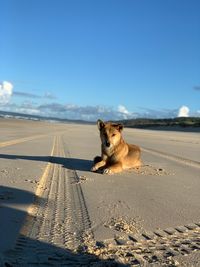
[(116, 154)]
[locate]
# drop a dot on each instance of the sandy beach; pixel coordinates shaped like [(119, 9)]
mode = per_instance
[(54, 211)]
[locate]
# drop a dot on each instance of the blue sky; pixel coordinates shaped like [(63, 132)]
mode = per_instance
[(100, 58)]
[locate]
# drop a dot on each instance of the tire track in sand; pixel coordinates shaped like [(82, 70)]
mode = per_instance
[(21, 140), (24, 139), (58, 222), (179, 159)]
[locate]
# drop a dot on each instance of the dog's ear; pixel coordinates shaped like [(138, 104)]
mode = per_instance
[(100, 124), (121, 127), (118, 126)]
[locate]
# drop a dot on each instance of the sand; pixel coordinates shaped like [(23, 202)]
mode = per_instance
[(54, 211)]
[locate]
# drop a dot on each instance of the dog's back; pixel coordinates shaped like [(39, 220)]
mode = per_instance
[(133, 158)]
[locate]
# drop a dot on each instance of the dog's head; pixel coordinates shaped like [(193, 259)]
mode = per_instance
[(110, 133)]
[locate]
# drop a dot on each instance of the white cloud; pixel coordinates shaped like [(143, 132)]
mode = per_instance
[(5, 92), (122, 109), (183, 111), (124, 113)]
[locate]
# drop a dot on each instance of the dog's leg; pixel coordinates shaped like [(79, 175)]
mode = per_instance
[(97, 159), (98, 165), (115, 168)]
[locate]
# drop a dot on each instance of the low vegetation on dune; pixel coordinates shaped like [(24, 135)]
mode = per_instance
[(182, 122)]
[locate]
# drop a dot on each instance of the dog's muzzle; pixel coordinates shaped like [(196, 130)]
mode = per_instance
[(107, 144)]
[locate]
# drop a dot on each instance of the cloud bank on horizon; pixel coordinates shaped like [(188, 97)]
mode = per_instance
[(72, 111)]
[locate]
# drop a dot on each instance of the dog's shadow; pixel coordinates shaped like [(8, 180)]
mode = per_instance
[(68, 163), (73, 163)]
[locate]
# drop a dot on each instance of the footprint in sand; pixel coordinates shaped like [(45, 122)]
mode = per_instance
[(151, 170), (124, 225)]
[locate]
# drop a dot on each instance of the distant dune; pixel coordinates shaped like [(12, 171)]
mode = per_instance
[(176, 124)]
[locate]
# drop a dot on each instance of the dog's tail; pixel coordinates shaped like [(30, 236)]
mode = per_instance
[(97, 159)]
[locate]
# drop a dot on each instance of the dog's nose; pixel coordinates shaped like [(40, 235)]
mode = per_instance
[(107, 143)]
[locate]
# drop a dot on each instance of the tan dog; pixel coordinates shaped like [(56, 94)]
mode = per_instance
[(116, 154)]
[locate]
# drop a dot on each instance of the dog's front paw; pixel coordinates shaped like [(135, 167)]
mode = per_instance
[(107, 171), (94, 169)]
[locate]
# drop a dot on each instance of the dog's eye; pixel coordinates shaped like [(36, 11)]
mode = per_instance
[(113, 135)]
